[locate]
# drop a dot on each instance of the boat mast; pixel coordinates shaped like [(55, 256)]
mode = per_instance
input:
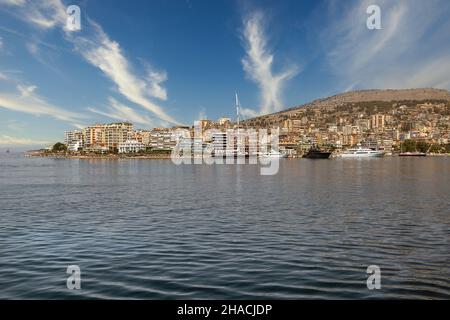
[(238, 142), (237, 110)]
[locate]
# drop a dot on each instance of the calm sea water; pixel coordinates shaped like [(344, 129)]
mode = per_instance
[(150, 229)]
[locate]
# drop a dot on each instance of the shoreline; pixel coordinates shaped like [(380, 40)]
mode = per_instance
[(97, 156), (154, 156)]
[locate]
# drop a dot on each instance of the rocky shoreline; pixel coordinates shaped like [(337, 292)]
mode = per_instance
[(108, 156), (155, 156)]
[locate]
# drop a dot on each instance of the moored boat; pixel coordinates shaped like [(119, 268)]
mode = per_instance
[(362, 153), (273, 154), (315, 153), (412, 154)]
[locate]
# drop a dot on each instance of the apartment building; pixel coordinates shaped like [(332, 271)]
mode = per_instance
[(107, 136), (131, 146), (378, 121), (73, 140), (162, 139)]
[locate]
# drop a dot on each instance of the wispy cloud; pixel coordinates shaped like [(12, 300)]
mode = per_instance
[(107, 55), (258, 65), (32, 48), (432, 74), (119, 111), (26, 91), (155, 80), (26, 100), (42, 14), (248, 113), (15, 125), (402, 54), (202, 114), (98, 49), (6, 140), (13, 2)]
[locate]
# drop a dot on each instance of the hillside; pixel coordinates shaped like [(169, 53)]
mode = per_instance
[(370, 100)]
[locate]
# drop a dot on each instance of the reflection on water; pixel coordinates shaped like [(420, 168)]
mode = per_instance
[(150, 229)]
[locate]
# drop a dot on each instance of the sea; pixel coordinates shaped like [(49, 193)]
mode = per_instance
[(151, 229)]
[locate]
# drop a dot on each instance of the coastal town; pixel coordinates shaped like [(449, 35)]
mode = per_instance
[(393, 127)]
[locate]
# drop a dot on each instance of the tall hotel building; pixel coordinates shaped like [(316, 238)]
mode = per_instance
[(107, 136)]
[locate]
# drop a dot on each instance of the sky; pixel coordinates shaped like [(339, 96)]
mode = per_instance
[(171, 62)]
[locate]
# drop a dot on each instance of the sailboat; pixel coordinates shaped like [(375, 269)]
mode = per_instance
[(238, 150)]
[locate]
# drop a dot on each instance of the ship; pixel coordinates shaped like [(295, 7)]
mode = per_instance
[(273, 154), (362, 153), (315, 153)]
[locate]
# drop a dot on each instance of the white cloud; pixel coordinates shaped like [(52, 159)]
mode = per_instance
[(122, 112), (14, 141), (27, 101), (107, 55), (202, 115), (155, 79), (46, 14), (402, 54), (79, 126), (26, 91), (32, 48), (42, 14), (432, 74), (248, 113), (16, 125), (13, 2), (258, 64), (98, 49)]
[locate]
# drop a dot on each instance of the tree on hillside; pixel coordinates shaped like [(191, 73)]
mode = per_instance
[(408, 146), (413, 146), (422, 146), (59, 147)]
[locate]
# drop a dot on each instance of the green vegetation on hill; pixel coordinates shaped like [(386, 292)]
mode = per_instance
[(422, 146), (59, 147)]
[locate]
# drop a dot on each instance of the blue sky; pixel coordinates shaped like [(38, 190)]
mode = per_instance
[(159, 63)]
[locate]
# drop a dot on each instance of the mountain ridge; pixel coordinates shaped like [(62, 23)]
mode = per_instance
[(370, 95)]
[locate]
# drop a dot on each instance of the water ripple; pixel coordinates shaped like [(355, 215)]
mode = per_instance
[(153, 230)]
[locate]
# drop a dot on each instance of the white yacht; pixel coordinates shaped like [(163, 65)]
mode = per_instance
[(273, 154), (362, 153)]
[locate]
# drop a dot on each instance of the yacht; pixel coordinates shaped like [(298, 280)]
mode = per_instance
[(316, 153), (362, 153), (273, 154)]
